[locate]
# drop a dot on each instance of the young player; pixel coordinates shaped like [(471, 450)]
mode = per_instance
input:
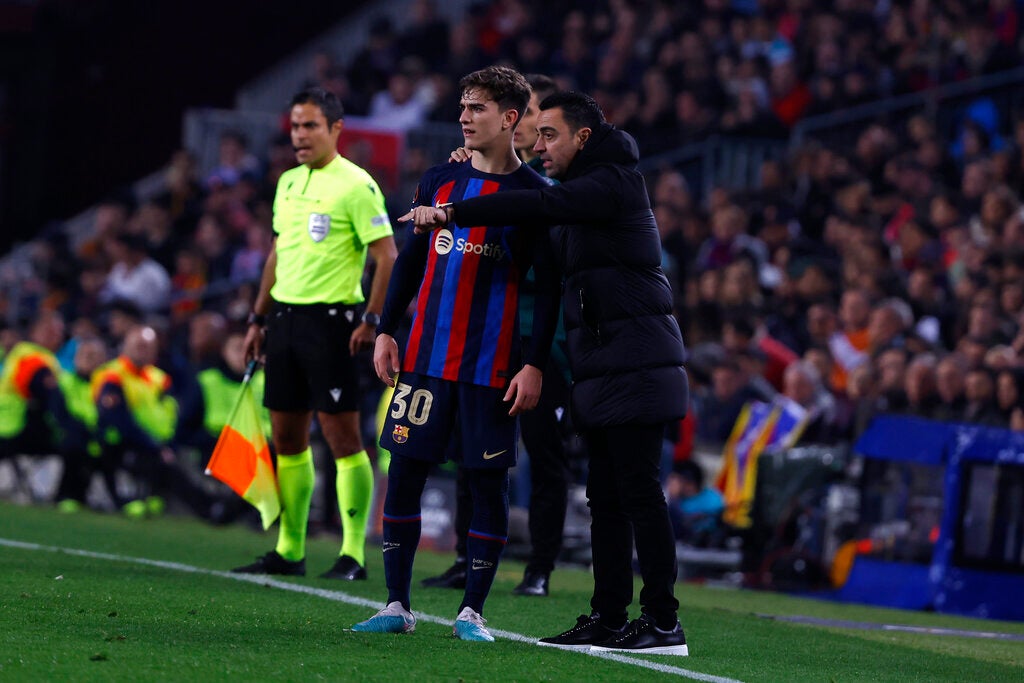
[(463, 365)]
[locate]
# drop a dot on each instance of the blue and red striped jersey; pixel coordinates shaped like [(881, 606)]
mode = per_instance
[(465, 326)]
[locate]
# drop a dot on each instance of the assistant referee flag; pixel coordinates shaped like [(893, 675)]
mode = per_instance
[(241, 458)]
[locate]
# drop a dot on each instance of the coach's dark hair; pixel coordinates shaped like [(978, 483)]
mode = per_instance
[(328, 102), (542, 85), (506, 86), (579, 110)]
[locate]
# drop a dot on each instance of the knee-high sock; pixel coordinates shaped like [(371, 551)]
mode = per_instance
[(295, 478), (406, 478), (488, 534), (354, 484)]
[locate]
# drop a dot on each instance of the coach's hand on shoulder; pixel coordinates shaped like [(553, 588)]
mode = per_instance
[(525, 389), (385, 358)]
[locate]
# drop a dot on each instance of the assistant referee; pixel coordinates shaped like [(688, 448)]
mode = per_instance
[(328, 213)]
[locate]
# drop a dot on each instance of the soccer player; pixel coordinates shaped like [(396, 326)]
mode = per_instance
[(328, 213), (464, 364), (542, 429)]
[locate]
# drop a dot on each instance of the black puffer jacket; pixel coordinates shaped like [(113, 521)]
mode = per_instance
[(625, 347)]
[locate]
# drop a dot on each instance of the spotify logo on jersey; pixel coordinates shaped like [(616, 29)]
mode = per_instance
[(444, 241)]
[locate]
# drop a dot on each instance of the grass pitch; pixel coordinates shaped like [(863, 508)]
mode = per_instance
[(144, 601)]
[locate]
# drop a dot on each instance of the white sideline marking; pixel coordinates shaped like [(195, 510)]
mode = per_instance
[(338, 596)]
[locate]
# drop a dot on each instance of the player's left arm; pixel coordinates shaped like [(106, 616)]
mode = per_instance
[(528, 382)]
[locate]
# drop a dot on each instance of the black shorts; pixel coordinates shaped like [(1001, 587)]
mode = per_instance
[(426, 414), (308, 366)]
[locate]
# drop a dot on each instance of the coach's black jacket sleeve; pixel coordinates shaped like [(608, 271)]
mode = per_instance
[(547, 291)]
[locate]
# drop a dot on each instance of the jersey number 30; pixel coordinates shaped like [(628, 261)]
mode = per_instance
[(416, 408)]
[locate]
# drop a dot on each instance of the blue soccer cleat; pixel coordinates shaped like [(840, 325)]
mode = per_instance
[(470, 626), (392, 619)]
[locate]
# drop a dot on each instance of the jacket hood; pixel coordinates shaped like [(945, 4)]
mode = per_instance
[(607, 145)]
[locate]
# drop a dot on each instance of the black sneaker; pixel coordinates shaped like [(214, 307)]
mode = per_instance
[(453, 577), (586, 632), (347, 569), (272, 563), (642, 635), (534, 583)]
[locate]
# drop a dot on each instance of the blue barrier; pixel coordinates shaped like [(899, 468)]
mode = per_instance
[(977, 562)]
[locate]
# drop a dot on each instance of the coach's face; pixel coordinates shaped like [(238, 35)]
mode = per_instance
[(315, 142), (557, 144)]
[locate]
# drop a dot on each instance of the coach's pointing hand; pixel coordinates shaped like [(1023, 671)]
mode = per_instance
[(426, 218)]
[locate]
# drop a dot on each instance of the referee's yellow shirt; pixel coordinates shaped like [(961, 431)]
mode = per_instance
[(324, 219)]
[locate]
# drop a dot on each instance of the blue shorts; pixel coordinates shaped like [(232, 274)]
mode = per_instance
[(427, 414)]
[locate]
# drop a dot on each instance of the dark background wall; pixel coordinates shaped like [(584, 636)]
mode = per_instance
[(92, 91)]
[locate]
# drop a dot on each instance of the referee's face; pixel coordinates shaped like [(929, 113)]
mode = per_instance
[(315, 143)]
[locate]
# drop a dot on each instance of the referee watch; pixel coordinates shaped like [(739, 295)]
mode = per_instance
[(372, 319)]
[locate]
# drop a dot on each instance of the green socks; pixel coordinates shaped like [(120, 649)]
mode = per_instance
[(355, 495), (295, 479)]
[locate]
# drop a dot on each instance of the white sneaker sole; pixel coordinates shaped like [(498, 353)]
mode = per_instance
[(582, 648), (678, 650)]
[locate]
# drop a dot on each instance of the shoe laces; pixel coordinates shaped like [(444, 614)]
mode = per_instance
[(470, 615), (636, 626), (582, 622), (394, 609)]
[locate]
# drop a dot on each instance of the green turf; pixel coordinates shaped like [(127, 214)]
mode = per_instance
[(67, 617)]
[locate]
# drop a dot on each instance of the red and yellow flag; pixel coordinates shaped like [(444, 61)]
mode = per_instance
[(241, 458)]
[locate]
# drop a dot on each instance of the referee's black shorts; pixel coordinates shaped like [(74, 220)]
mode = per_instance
[(308, 366)]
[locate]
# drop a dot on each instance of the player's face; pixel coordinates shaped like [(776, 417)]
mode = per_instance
[(557, 144), (315, 142), (484, 126), (525, 136)]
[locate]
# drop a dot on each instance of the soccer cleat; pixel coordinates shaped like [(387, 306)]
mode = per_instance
[(392, 619), (533, 583), (272, 563), (642, 635), (586, 632), (453, 577), (470, 626), (346, 569)]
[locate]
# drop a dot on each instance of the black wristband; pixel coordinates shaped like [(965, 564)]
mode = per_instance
[(256, 319), (372, 319)]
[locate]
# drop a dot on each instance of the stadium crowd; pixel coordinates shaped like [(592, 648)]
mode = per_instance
[(884, 277)]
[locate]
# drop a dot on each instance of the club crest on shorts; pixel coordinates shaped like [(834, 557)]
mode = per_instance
[(401, 434), (319, 225)]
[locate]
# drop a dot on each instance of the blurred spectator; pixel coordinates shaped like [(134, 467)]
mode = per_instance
[(950, 377), (719, 406), (234, 161), (247, 265), (980, 397), (135, 277), (695, 509), (1010, 397), (803, 385), (401, 105)]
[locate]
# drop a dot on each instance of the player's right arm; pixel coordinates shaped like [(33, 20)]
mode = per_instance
[(406, 278), (254, 335)]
